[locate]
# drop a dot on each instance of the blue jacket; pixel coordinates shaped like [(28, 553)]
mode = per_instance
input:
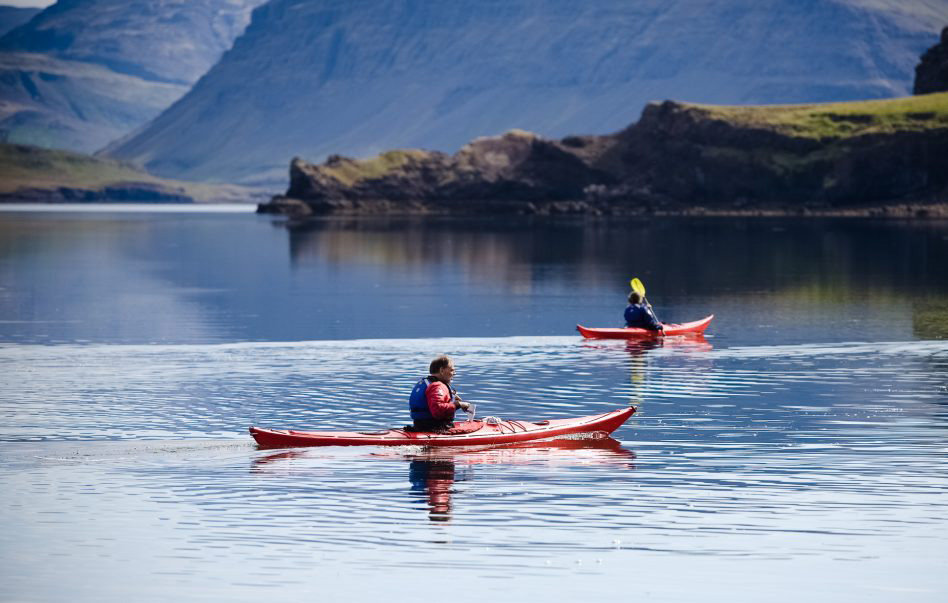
[(640, 315)]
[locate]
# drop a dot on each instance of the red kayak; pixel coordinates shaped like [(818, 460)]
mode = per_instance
[(684, 328), (465, 433)]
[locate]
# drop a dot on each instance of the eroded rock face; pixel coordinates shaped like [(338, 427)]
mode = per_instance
[(931, 74), (686, 156), (516, 167), (676, 158)]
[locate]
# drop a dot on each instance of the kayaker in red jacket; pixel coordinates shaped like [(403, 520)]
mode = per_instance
[(432, 401)]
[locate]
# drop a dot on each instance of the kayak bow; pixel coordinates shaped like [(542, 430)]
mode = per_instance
[(684, 328), (465, 433)]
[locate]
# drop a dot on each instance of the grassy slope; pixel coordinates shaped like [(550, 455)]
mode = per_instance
[(350, 173), (35, 168), (841, 120), (31, 167)]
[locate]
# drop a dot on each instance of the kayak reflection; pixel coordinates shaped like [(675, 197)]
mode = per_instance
[(433, 474)]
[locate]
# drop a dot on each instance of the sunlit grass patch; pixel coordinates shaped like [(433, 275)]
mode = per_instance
[(348, 172), (841, 120)]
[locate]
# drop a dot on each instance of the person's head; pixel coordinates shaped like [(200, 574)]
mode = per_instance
[(442, 367), (635, 298)]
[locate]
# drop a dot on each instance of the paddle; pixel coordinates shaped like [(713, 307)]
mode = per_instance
[(639, 288)]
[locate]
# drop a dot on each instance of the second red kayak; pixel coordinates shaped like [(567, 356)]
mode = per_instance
[(684, 328), (466, 433)]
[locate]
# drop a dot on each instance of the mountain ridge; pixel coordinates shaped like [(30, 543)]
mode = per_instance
[(310, 78), (82, 73)]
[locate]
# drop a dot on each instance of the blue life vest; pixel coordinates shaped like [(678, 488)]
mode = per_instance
[(418, 401), (641, 316)]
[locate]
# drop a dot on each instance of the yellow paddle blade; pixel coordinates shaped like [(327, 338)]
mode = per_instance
[(637, 286)]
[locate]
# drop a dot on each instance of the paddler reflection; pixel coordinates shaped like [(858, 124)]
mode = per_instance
[(434, 480), (638, 367), (640, 351), (434, 475)]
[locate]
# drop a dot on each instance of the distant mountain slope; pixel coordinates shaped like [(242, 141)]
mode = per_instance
[(313, 77), (14, 16), (63, 104), (84, 72)]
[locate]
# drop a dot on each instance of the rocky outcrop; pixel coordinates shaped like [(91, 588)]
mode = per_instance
[(677, 158), (931, 74), (689, 156), (516, 172)]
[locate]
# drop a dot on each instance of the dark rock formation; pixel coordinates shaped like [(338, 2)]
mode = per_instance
[(688, 155), (678, 158), (516, 172), (931, 74)]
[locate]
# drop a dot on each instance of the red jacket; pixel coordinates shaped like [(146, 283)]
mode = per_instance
[(440, 401)]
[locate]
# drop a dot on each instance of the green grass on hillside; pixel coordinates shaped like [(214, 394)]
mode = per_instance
[(841, 120), (32, 167), (350, 172), (27, 167)]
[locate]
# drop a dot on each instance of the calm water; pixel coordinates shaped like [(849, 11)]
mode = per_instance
[(797, 451)]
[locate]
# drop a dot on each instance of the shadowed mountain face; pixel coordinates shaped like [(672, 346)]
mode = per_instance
[(85, 72), (314, 77), (14, 16)]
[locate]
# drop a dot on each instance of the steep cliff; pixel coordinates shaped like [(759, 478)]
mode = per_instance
[(84, 72), (311, 77), (931, 74), (677, 158)]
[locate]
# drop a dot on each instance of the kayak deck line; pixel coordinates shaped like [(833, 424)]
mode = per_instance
[(484, 433)]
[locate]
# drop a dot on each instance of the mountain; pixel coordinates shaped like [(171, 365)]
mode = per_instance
[(84, 72), (14, 16), (931, 74), (869, 156), (313, 77)]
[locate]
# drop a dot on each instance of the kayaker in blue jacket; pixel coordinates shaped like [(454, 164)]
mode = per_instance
[(639, 314), (433, 401)]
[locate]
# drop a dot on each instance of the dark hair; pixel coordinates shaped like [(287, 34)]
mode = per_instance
[(437, 364), (635, 298)]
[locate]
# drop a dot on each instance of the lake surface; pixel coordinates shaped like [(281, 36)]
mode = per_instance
[(796, 451)]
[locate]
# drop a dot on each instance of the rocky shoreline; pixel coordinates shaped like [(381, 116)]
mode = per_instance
[(294, 208)]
